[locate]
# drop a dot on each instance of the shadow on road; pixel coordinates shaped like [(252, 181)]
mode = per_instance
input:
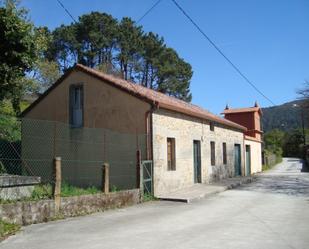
[(289, 178)]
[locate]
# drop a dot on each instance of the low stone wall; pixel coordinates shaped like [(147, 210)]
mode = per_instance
[(14, 187), (25, 213)]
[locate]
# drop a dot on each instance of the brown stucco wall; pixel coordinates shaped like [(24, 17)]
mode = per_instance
[(119, 123), (104, 106)]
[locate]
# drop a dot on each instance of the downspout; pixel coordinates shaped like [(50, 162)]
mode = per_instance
[(149, 129)]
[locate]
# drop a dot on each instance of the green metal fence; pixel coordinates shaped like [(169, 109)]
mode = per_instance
[(30, 148)]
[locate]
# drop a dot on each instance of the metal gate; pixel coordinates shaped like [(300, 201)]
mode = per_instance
[(146, 173)]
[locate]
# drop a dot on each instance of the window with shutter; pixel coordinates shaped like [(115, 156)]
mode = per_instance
[(171, 159), (224, 153), (212, 153), (76, 105)]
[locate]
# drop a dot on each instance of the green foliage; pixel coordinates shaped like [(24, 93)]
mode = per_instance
[(69, 190), (7, 229), (42, 192), (114, 188), (45, 191), (284, 117), (149, 197), (294, 143), (17, 52), (10, 126), (44, 75), (121, 48), (2, 169), (274, 141)]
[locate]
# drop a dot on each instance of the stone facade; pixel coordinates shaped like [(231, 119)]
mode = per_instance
[(185, 130), (30, 212)]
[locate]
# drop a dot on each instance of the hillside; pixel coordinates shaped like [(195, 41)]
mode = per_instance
[(284, 117)]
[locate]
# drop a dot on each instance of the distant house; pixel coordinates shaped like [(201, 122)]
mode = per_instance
[(250, 118), (185, 143)]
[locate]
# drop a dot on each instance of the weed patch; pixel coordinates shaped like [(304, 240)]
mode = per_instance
[(7, 229)]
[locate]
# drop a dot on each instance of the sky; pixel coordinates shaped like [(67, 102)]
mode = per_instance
[(267, 40)]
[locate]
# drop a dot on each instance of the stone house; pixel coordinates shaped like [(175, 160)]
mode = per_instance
[(186, 143)]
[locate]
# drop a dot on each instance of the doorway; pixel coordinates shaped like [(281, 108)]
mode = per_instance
[(248, 160), (197, 161), (237, 159)]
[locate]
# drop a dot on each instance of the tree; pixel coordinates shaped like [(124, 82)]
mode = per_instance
[(274, 141), (17, 52), (129, 44), (293, 145), (174, 75), (153, 47), (121, 48), (304, 93), (95, 36)]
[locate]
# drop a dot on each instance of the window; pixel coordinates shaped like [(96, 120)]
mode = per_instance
[(171, 162), (212, 153), (224, 153), (212, 126), (76, 105)]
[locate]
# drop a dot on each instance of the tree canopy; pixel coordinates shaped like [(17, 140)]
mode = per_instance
[(122, 48), (33, 58), (17, 52)]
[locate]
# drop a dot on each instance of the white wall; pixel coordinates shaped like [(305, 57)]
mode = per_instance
[(256, 155)]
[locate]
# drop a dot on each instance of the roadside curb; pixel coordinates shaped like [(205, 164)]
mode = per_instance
[(206, 190)]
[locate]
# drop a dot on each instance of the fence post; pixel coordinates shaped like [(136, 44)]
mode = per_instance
[(57, 183), (138, 168), (141, 182), (105, 178)]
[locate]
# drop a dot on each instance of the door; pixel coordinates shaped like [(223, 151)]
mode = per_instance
[(197, 161), (237, 159), (147, 176), (248, 160)]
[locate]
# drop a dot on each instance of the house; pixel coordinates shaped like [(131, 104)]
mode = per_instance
[(250, 118), (185, 143)]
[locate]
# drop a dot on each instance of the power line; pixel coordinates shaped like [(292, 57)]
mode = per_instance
[(220, 52), (72, 17), (148, 11), (66, 10)]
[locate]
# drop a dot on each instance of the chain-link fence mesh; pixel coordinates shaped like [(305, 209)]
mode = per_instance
[(28, 148)]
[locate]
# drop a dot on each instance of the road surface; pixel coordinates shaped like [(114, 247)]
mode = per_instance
[(272, 212)]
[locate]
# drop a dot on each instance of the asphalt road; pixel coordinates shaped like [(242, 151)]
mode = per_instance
[(272, 212)]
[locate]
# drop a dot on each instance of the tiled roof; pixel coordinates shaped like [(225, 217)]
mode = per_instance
[(239, 110), (159, 99)]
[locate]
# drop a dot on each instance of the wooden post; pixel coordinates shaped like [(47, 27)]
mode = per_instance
[(57, 183), (141, 182), (105, 179), (138, 168)]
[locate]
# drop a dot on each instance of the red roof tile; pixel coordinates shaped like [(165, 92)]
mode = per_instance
[(153, 97), (239, 110), (160, 99)]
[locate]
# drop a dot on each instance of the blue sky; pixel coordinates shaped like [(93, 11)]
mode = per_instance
[(267, 40)]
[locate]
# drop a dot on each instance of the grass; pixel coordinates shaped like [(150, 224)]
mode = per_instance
[(149, 197), (69, 190), (267, 166), (44, 192), (7, 229)]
